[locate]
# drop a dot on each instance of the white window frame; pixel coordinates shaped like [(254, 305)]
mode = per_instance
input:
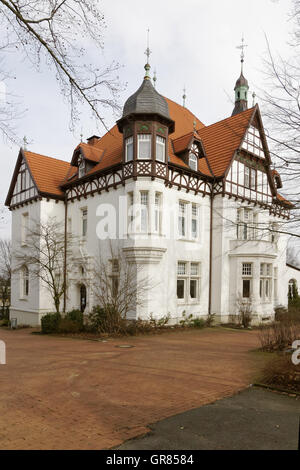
[(81, 167), (24, 282), (161, 144), (157, 212), (182, 219), (128, 144), (195, 218), (265, 282), (84, 222), (144, 138), (247, 222), (247, 275), (187, 276), (144, 219), (193, 161)]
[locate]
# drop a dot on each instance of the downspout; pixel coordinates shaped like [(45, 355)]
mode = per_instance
[(210, 249), (65, 252)]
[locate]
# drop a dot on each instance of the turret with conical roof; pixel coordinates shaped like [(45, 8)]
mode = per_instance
[(241, 87)]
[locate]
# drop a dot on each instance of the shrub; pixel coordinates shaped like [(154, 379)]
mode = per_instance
[(108, 320), (50, 323), (278, 335), (75, 316), (198, 322), (210, 319), (186, 320), (282, 373), (69, 326)]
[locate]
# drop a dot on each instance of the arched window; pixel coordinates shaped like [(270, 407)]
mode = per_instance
[(193, 157), (24, 282), (293, 289), (81, 167)]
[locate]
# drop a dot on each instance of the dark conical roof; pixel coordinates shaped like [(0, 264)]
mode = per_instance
[(242, 81), (146, 100)]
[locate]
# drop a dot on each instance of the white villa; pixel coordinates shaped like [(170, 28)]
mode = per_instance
[(197, 206)]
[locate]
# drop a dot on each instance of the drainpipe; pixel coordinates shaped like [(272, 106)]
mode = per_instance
[(65, 253), (210, 249)]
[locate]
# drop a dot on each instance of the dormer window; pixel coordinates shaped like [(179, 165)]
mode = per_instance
[(160, 148), (81, 167), (193, 157), (144, 146), (129, 149)]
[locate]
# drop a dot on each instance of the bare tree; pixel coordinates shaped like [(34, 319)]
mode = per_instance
[(43, 254), (5, 276), (281, 99), (50, 30), (119, 288)]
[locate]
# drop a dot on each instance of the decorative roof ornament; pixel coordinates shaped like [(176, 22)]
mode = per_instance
[(242, 48), (154, 78), (184, 97), (147, 52), (194, 125), (25, 142), (253, 96)]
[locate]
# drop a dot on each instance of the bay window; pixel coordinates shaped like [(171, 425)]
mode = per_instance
[(182, 219), (144, 146), (246, 280), (265, 282), (194, 221), (129, 149), (144, 211), (160, 148)]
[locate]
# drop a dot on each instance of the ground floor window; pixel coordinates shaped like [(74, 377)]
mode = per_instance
[(246, 280), (188, 281), (265, 282)]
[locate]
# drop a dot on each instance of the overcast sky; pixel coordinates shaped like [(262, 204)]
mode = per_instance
[(193, 43)]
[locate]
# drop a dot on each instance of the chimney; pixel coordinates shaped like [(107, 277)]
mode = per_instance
[(92, 140)]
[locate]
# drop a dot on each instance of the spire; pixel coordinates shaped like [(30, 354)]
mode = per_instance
[(147, 52), (184, 96), (241, 87), (253, 96)]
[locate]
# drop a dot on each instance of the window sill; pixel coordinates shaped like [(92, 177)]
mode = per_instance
[(24, 298), (190, 240)]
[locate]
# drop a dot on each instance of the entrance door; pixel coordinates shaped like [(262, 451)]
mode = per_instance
[(82, 298)]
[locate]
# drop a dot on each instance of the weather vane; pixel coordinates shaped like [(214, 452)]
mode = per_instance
[(242, 48), (154, 78), (147, 52)]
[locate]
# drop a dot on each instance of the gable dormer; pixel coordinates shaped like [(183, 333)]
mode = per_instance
[(86, 156), (189, 148), (23, 187)]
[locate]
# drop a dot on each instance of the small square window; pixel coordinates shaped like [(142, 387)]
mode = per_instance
[(181, 269), (247, 269)]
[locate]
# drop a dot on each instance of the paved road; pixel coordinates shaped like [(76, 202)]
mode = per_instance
[(255, 419), (58, 393)]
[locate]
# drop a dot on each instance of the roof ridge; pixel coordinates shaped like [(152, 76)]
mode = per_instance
[(183, 107)]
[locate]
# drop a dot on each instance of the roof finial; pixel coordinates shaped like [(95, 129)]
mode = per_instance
[(253, 96), (154, 78), (242, 48), (81, 136), (194, 124), (147, 52), (184, 96), (25, 142)]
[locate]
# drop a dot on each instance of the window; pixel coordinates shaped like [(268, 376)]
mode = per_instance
[(188, 275), (81, 167), (253, 178), (144, 211), (246, 224), (23, 180), (24, 228), (253, 143), (182, 219), (129, 149), (275, 283), (144, 146), (157, 213), (84, 221), (247, 177), (265, 282), (273, 233), (130, 213), (160, 148), (24, 282), (193, 161), (246, 280), (194, 221), (115, 276)]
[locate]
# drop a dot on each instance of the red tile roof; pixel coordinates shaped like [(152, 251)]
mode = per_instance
[(47, 172), (223, 138)]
